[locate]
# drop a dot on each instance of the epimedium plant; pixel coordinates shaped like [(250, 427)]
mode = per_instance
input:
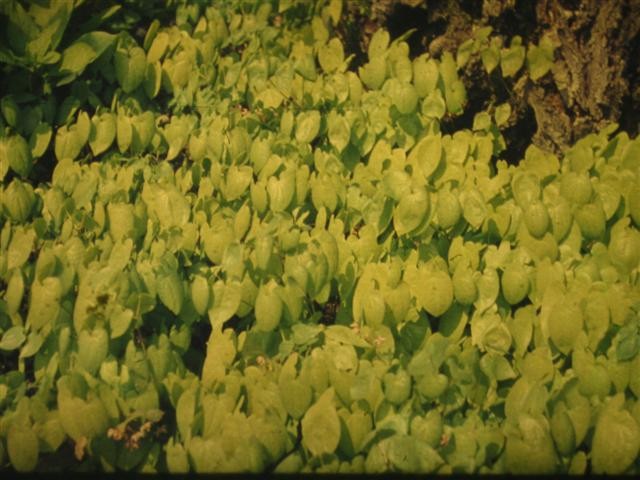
[(376, 294)]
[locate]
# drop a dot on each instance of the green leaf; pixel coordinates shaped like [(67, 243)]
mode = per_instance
[(373, 73), (71, 140), (515, 283), (226, 301), (44, 305), (540, 58), (80, 418), (464, 52), (433, 386), (373, 308), (434, 106), (185, 413), (397, 184), (177, 459), (200, 294), (176, 134), (124, 132), (565, 322), (563, 432), (512, 58), (221, 351), (121, 221), (143, 130), (449, 210), (399, 301), (268, 308), (207, 456), (425, 75), (344, 334), (403, 454), (22, 447), (427, 154), (491, 56), (40, 139), (529, 448), (434, 291), (296, 396), (488, 289), (168, 205), (321, 426), (331, 56), (158, 47), (152, 79), (93, 346), (13, 338), (82, 52), (339, 131), (454, 91), (428, 428), (521, 328), (281, 190), (411, 211), (334, 9), (10, 110), (19, 153), (397, 387), (33, 345), (216, 240), (103, 132), (307, 126), (481, 121), (404, 96), (474, 207), (616, 442), (237, 182), (624, 246), (119, 322), (52, 21), (502, 114), (378, 44), (20, 248), (464, 285), (15, 292), (541, 163), (170, 290), (130, 68)]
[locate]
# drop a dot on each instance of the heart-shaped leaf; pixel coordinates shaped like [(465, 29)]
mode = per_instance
[(321, 426), (93, 346), (130, 68), (22, 447), (411, 211), (19, 153), (268, 307), (40, 139), (307, 126), (103, 132)]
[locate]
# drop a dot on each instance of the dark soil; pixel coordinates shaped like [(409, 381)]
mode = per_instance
[(595, 81)]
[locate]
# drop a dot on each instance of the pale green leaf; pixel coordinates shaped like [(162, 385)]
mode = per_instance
[(321, 426), (12, 339), (22, 447)]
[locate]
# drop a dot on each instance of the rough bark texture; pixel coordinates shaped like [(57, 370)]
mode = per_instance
[(596, 75), (596, 44)]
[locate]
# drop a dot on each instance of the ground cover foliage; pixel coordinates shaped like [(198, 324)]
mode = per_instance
[(224, 250)]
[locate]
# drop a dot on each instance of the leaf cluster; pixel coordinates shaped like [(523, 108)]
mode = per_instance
[(249, 258)]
